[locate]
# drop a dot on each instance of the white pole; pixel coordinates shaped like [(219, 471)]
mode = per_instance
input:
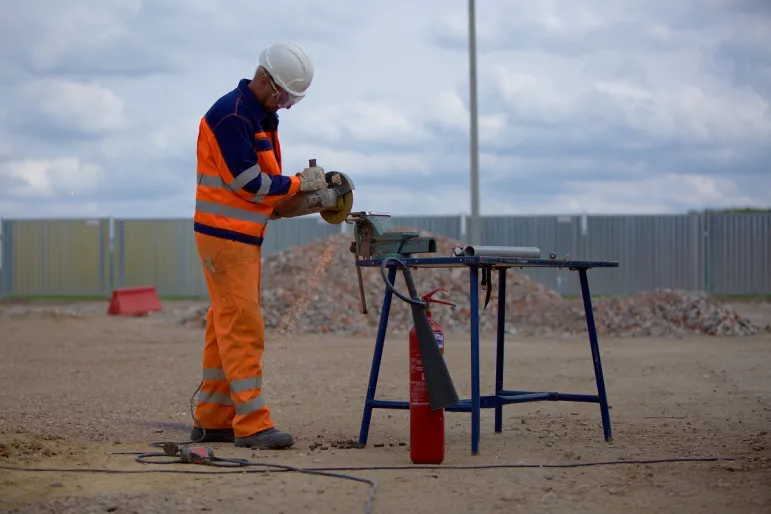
[(475, 228)]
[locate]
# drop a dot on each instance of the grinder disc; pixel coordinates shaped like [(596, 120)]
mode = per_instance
[(340, 214)]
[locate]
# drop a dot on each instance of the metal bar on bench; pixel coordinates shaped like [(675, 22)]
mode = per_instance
[(389, 404), (521, 252), (549, 396), (494, 401)]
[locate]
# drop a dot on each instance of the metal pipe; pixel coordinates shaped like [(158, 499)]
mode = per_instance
[(521, 252)]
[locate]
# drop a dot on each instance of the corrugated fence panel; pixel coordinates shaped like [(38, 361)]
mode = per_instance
[(288, 233), (56, 257), (448, 226), (160, 253), (738, 253), (557, 234), (653, 251)]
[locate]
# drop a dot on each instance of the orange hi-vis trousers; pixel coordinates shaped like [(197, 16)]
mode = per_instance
[(231, 393)]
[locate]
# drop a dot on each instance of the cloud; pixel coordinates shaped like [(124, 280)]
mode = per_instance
[(597, 107), (59, 109), (46, 179)]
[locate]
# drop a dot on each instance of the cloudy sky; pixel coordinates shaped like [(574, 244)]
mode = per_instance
[(595, 106)]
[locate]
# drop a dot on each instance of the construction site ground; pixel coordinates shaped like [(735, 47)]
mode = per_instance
[(77, 384)]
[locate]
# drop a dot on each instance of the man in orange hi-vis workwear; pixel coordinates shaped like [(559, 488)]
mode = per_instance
[(239, 182)]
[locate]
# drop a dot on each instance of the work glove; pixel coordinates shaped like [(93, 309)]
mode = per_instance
[(312, 179)]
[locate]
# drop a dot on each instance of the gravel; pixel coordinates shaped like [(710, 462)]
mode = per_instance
[(313, 288)]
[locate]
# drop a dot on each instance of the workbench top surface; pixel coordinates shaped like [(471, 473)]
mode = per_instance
[(495, 262)]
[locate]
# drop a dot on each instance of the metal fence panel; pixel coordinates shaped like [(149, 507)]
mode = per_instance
[(557, 234), (160, 253), (6, 276), (46, 257), (448, 226), (738, 256), (653, 251), (287, 233)]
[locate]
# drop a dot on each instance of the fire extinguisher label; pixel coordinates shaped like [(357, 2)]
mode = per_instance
[(418, 385), (419, 392), (439, 339)]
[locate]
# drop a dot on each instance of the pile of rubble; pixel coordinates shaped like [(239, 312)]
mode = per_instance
[(313, 289), (666, 313)]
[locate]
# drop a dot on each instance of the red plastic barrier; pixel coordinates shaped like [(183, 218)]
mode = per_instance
[(134, 301)]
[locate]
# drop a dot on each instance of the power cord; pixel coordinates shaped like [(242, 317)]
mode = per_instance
[(205, 456), (238, 463), (329, 471), (183, 453), (170, 445)]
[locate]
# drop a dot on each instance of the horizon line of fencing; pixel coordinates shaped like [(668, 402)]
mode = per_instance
[(719, 253)]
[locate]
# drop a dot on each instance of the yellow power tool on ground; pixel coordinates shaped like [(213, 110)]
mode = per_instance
[(334, 203)]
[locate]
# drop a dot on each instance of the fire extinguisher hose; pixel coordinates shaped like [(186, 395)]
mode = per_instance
[(391, 287), (441, 390)]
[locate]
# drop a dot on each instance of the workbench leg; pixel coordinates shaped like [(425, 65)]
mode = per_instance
[(376, 358), (598, 374), (475, 400), (499, 346)]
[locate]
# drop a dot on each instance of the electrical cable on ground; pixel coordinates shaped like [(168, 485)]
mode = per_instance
[(282, 467), (328, 471), (175, 449)]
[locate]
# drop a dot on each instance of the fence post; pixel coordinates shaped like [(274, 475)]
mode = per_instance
[(706, 241), (6, 258)]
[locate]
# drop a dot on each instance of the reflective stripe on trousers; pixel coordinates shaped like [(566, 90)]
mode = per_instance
[(236, 386)]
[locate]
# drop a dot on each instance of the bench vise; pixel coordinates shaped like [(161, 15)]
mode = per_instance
[(374, 239)]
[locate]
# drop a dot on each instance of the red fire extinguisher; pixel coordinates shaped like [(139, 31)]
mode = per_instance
[(426, 426)]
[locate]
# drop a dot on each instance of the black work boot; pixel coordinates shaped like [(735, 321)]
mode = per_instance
[(220, 435), (270, 439)]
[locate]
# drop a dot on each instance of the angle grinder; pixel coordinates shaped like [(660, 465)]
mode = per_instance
[(334, 204)]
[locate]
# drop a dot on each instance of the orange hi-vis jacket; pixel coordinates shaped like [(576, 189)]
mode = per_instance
[(239, 168)]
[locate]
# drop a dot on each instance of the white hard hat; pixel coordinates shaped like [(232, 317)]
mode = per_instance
[(290, 67)]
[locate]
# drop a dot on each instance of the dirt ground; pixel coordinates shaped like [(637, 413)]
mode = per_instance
[(73, 389)]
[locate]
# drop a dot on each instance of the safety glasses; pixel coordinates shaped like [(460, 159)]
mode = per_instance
[(285, 99)]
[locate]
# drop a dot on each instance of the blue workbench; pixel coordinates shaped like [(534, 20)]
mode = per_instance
[(502, 396)]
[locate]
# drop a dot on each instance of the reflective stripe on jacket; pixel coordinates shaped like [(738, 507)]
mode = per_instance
[(239, 168)]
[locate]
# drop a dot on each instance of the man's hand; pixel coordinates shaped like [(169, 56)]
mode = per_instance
[(312, 179)]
